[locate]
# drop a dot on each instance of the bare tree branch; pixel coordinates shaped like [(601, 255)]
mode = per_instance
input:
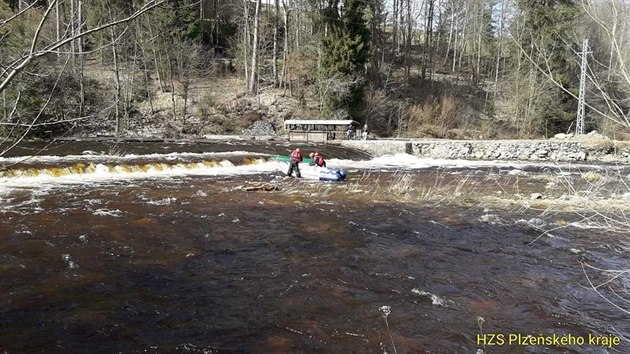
[(21, 63), (549, 75), (41, 24), (4, 22), (41, 110)]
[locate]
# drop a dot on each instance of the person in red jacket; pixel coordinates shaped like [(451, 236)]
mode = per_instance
[(294, 161), (318, 159)]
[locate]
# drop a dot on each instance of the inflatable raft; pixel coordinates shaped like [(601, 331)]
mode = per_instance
[(332, 174), (316, 172)]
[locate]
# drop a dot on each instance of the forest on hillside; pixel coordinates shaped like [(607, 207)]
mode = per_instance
[(408, 68)]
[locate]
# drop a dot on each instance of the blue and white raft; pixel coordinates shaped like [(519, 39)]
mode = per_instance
[(316, 172), (332, 174)]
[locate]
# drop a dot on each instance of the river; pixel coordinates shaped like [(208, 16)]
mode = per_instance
[(161, 248)]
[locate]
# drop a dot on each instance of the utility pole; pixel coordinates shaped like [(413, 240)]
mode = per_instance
[(579, 126)]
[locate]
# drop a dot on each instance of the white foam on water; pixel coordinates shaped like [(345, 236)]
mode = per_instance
[(414, 162), (201, 193), (165, 201), (119, 173), (91, 156), (71, 264), (589, 225), (106, 212), (435, 300), (492, 219), (535, 223)]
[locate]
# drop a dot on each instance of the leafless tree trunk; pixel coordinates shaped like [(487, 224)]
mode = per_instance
[(297, 29), (377, 45), (5, 108), (246, 42), (285, 59), (201, 9), (480, 27), (80, 25), (58, 22), (172, 84), (463, 36), (147, 79), (395, 24), (275, 44), (499, 46), (73, 29), (118, 116), (253, 87), (408, 43), (185, 81), (156, 54), (131, 80), (81, 59), (428, 39), (450, 36)]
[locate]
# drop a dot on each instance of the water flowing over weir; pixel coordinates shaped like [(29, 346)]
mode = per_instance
[(157, 248)]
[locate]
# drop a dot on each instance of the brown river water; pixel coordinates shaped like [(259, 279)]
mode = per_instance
[(157, 248)]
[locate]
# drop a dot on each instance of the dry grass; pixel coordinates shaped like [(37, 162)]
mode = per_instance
[(402, 186), (588, 194)]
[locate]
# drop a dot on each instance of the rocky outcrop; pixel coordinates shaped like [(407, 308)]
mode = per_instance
[(260, 128)]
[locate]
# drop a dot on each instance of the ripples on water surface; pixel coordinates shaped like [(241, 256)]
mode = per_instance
[(186, 261)]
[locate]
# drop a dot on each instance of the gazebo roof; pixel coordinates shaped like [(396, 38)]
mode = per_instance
[(320, 122)]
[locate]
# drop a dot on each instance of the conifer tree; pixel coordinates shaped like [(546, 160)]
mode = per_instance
[(549, 26), (346, 50)]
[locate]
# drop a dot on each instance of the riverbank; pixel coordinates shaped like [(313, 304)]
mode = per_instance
[(570, 149), (562, 148)]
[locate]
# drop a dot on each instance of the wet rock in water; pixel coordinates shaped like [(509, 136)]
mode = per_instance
[(491, 219), (535, 196)]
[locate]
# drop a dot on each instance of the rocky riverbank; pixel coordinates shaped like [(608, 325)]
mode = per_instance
[(563, 148)]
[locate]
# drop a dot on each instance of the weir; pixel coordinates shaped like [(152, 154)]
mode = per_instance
[(123, 168), (524, 150)]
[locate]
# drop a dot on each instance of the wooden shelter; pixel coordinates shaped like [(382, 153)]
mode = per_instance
[(318, 130)]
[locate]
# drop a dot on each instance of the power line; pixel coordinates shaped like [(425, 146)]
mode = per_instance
[(579, 126)]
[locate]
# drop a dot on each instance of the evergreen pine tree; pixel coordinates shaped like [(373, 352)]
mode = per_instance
[(346, 50), (550, 24)]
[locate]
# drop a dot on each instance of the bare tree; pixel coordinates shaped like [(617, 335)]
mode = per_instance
[(612, 18), (275, 43), (42, 45), (428, 39), (253, 87), (285, 56)]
